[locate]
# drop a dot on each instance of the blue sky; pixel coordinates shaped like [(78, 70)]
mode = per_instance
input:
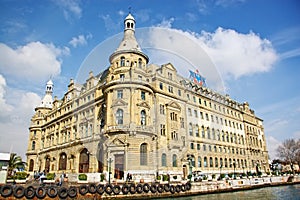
[(254, 46)]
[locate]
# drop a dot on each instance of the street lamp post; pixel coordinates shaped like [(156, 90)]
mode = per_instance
[(220, 172), (109, 168)]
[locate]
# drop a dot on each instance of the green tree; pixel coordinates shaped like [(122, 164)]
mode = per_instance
[(15, 162)]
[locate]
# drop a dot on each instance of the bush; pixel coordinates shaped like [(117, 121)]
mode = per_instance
[(189, 176), (165, 177), (82, 177), (21, 175), (50, 176), (102, 177), (158, 178)]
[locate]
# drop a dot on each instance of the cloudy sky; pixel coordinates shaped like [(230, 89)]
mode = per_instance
[(252, 46)]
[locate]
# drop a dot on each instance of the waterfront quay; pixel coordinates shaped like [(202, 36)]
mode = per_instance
[(119, 190)]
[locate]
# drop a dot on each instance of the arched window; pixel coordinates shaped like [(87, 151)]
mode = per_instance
[(205, 162), (143, 117), (164, 160), (211, 163), (122, 61), (174, 160), (199, 161), (33, 145), (225, 161), (191, 129), (128, 25), (84, 160), (140, 63), (221, 162), (143, 154), (216, 162), (119, 116), (197, 130), (62, 161), (208, 133), (31, 165)]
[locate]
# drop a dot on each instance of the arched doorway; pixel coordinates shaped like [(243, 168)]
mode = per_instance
[(31, 165), (184, 170), (119, 166), (47, 164), (84, 160), (62, 161)]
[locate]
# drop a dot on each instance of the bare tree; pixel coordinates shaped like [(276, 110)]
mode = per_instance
[(289, 152)]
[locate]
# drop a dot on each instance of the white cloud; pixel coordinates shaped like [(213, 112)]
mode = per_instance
[(237, 54), (166, 23), (4, 107), (15, 117), (80, 40), (70, 8), (272, 145), (33, 61)]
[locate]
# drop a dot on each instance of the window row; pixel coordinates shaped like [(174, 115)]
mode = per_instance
[(120, 117), (218, 162), (215, 134), (216, 149), (215, 119)]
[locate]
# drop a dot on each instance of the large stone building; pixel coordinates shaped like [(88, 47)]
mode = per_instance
[(146, 120)]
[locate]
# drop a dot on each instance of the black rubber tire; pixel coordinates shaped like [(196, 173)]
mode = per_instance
[(6, 190), (172, 189), (116, 189), (125, 189), (52, 192), (167, 188), (146, 187), (38, 193), (139, 188), (63, 193), (132, 188), (188, 186), (19, 191), (108, 189), (100, 189), (153, 188), (178, 188), (83, 189), (29, 192), (92, 188), (160, 188), (72, 192), (183, 188)]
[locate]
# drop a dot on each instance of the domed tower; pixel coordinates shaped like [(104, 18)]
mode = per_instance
[(47, 100), (129, 107), (129, 53)]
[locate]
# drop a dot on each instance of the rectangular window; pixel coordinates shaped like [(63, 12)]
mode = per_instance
[(122, 77), (192, 145), (181, 122), (170, 75), (189, 112), (179, 92), (194, 99), (170, 88), (196, 113), (120, 94), (143, 95), (199, 101), (162, 109), (161, 86), (201, 115), (163, 130), (198, 146)]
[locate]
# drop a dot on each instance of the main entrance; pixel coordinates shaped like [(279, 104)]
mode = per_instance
[(119, 166)]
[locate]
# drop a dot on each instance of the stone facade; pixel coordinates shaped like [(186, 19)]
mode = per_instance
[(146, 120)]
